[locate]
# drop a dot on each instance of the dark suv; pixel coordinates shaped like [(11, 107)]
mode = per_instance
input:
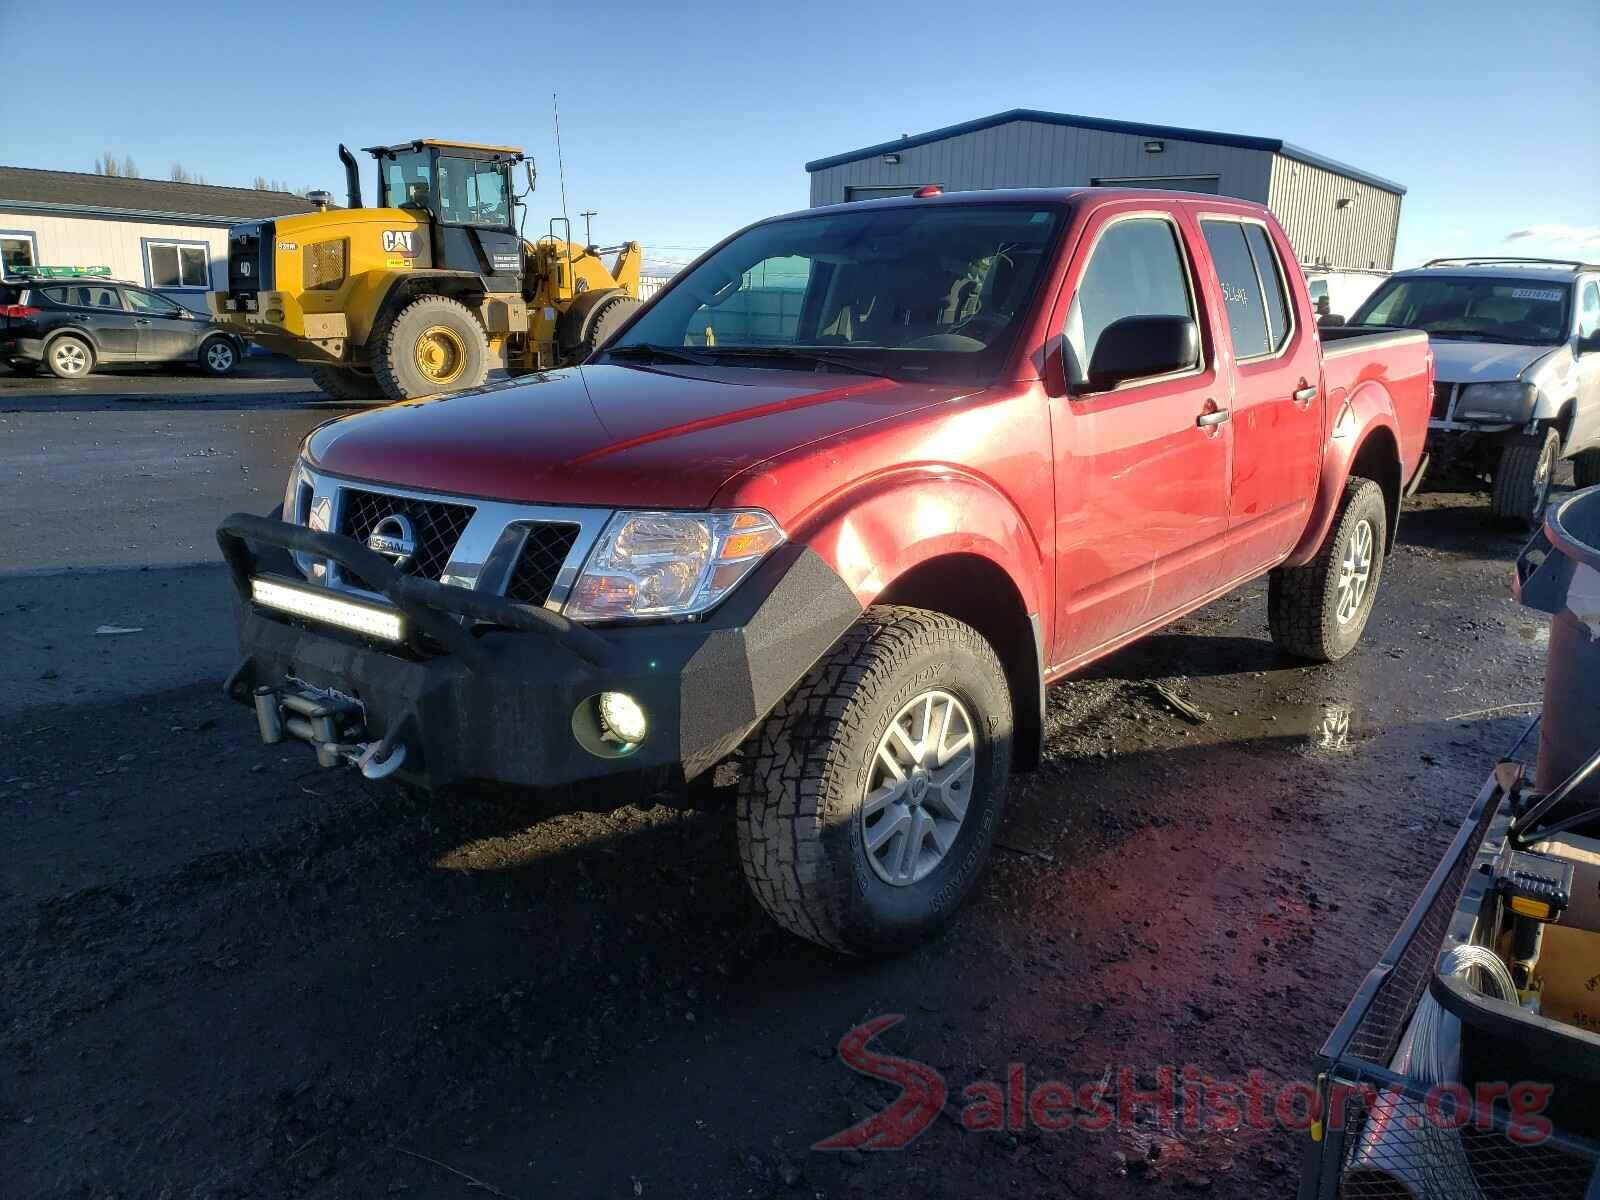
[(72, 326)]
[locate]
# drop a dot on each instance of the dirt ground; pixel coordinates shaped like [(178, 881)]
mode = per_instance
[(228, 974)]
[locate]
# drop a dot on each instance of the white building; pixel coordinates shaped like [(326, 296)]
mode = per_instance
[(172, 237)]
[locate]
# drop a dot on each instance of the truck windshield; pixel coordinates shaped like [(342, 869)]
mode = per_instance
[(1529, 311), (936, 291)]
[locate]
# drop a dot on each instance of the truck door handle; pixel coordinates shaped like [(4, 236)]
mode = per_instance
[(1212, 418), (1306, 394), (141, 321)]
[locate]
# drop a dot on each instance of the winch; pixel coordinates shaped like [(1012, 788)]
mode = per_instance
[(331, 722)]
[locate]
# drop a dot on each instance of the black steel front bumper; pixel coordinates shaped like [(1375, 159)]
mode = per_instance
[(487, 689)]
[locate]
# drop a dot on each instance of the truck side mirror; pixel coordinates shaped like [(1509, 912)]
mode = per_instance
[(1330, 320), (1137, 347), (1589, 343)]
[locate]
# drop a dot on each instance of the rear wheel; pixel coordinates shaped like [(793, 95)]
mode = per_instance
[(1319, 610), (1522, 480), (342, 383), (218, 356), (432, 345), (69, 358), (1586, 469), (869, 797)]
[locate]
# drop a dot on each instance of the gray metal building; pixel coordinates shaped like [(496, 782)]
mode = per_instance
[(1336, 216)]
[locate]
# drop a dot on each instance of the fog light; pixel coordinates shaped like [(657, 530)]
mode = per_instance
[(621, 718)]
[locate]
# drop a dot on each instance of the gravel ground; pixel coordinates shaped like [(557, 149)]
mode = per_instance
[(231, 974)]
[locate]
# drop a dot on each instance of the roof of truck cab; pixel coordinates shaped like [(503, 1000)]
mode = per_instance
[(443, 144), (1044, 195)]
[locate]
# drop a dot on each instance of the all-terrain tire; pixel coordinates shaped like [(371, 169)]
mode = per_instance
[(1586, 469), (343, 383), (805, 769), (395, 350), (1304, 603), (605, 323), (69, 357), (1522, 480)]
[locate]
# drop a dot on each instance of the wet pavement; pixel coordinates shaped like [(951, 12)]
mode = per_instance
[(232, 974)]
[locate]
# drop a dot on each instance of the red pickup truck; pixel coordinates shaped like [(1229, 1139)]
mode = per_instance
[(835, 507)]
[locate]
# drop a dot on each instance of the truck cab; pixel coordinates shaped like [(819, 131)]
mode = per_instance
[(832, 511)]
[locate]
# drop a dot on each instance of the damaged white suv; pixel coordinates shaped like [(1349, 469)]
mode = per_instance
[(1516, 346)]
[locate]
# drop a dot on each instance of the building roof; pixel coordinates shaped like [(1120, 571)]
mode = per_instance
[(116, 195), (1105, 125)]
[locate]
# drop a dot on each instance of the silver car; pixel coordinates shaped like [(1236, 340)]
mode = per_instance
[(1516, 345)]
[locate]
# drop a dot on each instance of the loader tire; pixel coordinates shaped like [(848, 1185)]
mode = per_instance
[(605, 322), (343, 383), (833, 848), (432, 345), (1317, 611), (1586, 469), (1522, 480)]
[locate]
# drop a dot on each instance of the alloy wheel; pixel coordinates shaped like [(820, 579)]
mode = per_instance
[(70, 358), (1355, 572), (919, 785)]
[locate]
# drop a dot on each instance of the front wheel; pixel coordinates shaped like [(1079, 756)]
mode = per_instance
[(1319, 610), (1522, 480), (219, 357), (870, 796)]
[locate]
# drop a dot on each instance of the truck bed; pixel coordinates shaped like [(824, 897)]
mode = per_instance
[(1399, 361)]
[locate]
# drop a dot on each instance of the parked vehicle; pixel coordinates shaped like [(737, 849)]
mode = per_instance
[(70, 326), (835, 507), (1517, 342), (1335, 294), (427, 291)]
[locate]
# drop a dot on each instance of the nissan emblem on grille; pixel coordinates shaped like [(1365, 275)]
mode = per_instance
[(393, 537)]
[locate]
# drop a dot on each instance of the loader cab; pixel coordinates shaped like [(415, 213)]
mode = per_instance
[(465, 192)]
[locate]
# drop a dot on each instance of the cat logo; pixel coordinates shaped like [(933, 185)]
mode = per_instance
[(400, 241)]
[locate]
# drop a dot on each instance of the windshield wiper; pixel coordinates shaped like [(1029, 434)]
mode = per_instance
[(1469, 333), (658, 353), (843, 362)]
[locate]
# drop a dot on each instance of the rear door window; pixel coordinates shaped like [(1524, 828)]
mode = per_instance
[(1241, 288), (1137, 270), (1270, 271)]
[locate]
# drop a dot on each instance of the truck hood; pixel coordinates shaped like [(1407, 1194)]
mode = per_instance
[(609, 435), (1482, 362)]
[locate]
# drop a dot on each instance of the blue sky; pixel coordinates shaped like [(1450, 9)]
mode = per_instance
[(681, 122)]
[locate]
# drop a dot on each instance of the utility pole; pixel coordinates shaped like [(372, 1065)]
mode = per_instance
[(588, 237)]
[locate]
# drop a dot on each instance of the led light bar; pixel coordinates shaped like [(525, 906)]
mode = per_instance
[(319, 605)]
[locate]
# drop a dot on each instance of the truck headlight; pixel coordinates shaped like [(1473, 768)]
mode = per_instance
[(668, 564), (1501, 403)]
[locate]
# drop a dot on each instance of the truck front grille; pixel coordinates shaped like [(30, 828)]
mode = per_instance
[(539, 562), (436, 526), (1442, 392)]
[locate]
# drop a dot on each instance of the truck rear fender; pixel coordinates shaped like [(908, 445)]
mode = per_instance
[(1364, 440), (953, 543)]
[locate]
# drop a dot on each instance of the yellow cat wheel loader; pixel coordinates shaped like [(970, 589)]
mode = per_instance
[(430, 289)]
